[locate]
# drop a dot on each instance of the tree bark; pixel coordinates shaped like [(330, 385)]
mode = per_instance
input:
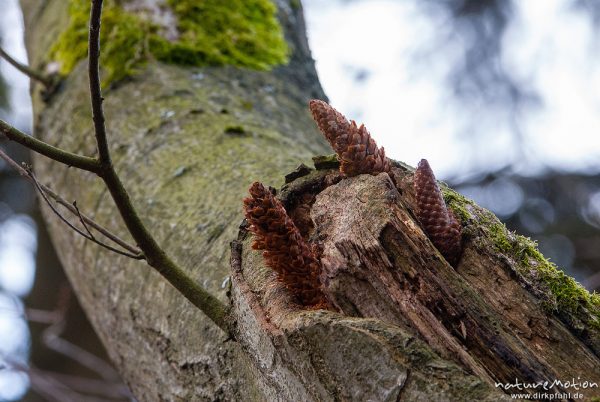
[(171, 134), (187, 143)]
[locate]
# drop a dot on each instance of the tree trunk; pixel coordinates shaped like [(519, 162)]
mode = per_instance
[(187, 143)]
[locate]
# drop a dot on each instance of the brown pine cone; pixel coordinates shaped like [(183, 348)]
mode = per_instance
[(354, 145), (440, 224), (284, 249)]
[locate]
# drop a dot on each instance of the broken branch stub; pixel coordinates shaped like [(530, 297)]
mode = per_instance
[(409, 325)]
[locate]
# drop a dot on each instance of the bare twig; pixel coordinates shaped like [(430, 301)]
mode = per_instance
[(155, 256), (82, 221), (69, 224), (59, 200), (94, 77), (28, 71), (62, 218), (52, 152)]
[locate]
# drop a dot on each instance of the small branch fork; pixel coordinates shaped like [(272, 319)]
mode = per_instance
[(46, 193), (103, 167), (88, 235)]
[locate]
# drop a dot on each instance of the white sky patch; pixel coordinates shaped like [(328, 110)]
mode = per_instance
[(14, 334), (394, 103), (13, 385), (17, 272), (18, 234), (561, 45), (18, 244), (402, 101), (11, 34), (13, 328)]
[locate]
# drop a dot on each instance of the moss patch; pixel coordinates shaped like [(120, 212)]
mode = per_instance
[(457, 203), (243, 33), (562, 294), (568, 296), (322, 162)]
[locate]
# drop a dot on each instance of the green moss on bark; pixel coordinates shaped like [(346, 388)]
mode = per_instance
[(243, 33), (563, 294)]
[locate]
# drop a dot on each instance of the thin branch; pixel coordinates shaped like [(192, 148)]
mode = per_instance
[(155, 256), (94, 77), (62, 218), (32, 315), (89, 221), (40, 316), (76, 229), (82, 221), (28, 71), (54, 153), (59, 200)]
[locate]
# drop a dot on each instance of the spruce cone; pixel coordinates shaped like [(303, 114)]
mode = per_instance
[(284, 249), (439, 222), (354, 146)]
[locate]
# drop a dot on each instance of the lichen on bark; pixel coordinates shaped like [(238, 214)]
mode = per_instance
[(241, 33)]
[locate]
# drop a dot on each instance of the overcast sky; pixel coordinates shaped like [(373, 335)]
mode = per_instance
[(405, 102)]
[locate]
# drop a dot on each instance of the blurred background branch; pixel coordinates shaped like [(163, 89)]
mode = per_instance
[(67, 387), (31, 73)]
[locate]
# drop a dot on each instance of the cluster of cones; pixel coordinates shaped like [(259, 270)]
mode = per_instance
[(288, 254)]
